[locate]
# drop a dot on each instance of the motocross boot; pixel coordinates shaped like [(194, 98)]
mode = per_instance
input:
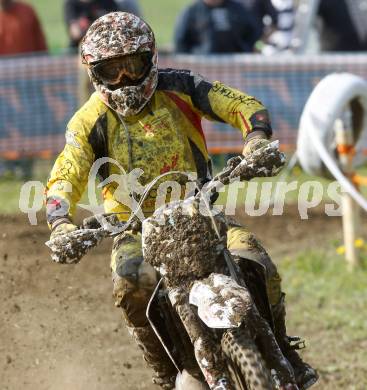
[(305, 375), (155, 356)]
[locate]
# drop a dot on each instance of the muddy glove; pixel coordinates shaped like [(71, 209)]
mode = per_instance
[(69, 244), (254, 141), (62, 228)]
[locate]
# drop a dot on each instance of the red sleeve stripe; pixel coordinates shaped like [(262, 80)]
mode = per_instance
[(248, 129), (191, 115)]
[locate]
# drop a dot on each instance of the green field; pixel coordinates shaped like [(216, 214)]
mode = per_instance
[(161, 14), (327, 305)]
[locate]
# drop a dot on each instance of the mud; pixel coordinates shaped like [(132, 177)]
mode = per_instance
[(181, 243), (220, 298), (206, 350), (265, 162), (219, 293), (71, 247)]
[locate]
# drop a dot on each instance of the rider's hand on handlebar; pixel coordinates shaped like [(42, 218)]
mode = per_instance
[(63, 228), (254, 142)]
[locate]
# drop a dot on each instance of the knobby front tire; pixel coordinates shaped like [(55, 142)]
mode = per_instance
[(243, 353)]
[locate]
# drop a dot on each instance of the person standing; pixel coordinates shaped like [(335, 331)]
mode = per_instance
[(265, 13), (80, 14), (216, 26), (281, 37), (343, 25), (20, 29)]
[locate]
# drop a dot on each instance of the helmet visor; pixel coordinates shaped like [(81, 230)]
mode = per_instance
[(128, 68)]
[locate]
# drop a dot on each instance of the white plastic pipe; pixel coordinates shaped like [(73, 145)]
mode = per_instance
[(329, 101), (311, 124)]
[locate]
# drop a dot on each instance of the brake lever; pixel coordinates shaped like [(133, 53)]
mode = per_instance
[(232, 163), (107, 221), (222, 178)]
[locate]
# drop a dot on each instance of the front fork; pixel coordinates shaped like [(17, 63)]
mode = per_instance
[(207, 353)]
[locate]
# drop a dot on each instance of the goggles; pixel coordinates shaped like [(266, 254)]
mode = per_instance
[(132, 67)]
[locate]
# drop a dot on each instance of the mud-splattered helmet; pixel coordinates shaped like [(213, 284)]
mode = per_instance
[(120, 52)]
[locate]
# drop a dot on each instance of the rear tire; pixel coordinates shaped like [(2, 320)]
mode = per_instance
[(245, 356)]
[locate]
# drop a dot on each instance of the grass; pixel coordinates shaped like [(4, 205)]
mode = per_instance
[(336, 298), (160, 14), (11, 185), (9, 196), (327, 305), (52, 18)]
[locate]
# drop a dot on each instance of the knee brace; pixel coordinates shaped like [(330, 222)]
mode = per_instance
[(242, 243), (133, 279)]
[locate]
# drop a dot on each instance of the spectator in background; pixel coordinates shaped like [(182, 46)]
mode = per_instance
[(216, 26), (20, 29), (131, 6), (80, 14), (343, 25), (265, 13), (281, 38)]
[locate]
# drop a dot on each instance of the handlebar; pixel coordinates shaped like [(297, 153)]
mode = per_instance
[(71, 247)]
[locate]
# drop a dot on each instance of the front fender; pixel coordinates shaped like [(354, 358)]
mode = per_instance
[(221, 302)]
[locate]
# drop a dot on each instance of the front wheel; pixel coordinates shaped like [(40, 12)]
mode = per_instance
[(246, 359)]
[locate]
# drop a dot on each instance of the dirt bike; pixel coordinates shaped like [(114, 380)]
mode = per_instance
[(210, 309)]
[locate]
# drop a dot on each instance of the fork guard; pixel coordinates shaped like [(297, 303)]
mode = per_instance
[(221, 302)]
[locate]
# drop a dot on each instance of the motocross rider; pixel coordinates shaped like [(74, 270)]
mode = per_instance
[(150, 118)]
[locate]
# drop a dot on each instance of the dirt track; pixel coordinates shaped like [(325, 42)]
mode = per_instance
[(59, 328)]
